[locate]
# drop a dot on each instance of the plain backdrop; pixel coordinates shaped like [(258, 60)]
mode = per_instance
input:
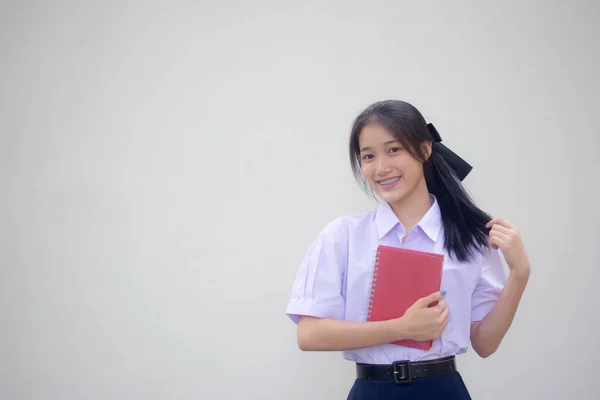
[(164, 167)]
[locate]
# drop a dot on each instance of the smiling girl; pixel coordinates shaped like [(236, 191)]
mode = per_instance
[(423, 206)]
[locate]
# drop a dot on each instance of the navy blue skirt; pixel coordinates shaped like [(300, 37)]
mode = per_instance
[(446, 387)]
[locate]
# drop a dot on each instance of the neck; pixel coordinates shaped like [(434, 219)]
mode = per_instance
[(411, 209)]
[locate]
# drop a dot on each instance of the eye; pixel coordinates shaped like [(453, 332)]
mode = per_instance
[(395, 149), (367, 157)]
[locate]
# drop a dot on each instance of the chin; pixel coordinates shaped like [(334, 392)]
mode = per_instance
[(392, 197)]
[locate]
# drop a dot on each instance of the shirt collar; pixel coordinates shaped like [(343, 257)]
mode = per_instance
[(431, 223)]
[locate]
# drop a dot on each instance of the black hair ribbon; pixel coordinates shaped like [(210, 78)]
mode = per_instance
[(460, 167)]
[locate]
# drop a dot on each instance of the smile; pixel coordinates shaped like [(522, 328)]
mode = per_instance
[(389, 181)]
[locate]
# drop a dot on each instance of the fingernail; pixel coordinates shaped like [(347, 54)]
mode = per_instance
[(443, 292)]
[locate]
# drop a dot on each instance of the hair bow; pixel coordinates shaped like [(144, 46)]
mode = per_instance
[(460, 167)]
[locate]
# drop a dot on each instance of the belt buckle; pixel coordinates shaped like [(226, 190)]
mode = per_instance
[(402, 372)]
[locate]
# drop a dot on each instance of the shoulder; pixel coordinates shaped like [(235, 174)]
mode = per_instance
[(489, 261), (343, 228), (482, 258), (489, 256), (334, 241)]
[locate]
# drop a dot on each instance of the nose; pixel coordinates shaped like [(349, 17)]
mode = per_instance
[(383, 167)]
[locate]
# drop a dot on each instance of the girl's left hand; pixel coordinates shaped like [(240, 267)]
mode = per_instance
[(505, 236)]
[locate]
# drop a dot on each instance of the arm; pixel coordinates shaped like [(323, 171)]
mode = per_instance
[(487, 334), (420, 322), (325, 334)]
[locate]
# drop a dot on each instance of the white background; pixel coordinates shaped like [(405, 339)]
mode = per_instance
[(165, 166)]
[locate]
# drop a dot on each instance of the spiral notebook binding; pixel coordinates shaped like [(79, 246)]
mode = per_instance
[(373, 283)]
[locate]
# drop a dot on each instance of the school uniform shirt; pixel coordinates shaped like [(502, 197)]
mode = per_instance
[(334, 280)]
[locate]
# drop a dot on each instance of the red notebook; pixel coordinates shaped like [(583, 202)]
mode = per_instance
[(401, 277)]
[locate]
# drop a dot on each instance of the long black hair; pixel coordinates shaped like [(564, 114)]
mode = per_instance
[(464, 223)]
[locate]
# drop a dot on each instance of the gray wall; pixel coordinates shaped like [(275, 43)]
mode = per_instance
[(165, 166)]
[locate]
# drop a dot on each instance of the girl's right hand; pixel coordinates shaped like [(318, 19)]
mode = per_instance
[(421, 322)]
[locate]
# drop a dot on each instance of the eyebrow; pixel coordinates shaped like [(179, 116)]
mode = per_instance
[(386, 143)]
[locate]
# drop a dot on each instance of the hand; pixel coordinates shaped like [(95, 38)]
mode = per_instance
[(422, 322), (507, 238)]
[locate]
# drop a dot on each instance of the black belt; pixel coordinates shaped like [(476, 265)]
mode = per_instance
[(406, 371)]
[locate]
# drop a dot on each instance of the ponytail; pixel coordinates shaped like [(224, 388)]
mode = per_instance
[(465, 230)]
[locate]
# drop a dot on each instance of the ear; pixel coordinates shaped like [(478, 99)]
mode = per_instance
[(426, 148)]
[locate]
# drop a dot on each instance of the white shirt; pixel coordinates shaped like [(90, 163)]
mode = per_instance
[(334, 280)]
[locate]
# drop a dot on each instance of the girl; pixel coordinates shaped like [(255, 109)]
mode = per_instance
[(423, 206)]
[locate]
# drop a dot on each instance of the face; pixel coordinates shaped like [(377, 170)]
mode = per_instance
[(389, 169)]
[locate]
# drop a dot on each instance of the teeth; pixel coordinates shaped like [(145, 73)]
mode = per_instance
[(390, 181)]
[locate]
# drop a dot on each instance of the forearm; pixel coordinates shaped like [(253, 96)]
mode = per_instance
[(324, 334), (487, 335)]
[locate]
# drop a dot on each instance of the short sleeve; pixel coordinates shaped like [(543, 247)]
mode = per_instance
[(490, 285), (317, 290)]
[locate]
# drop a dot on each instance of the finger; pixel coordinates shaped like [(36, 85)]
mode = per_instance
[(446, 321), (444, 315), (502, 229), (500, 221), (496, 242), (440, 306), (491, 222), (444, 318), (502, 236), (433, 297)]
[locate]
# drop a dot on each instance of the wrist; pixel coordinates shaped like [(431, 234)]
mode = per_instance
[(517, 280), (397, 329), (520, 273)]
